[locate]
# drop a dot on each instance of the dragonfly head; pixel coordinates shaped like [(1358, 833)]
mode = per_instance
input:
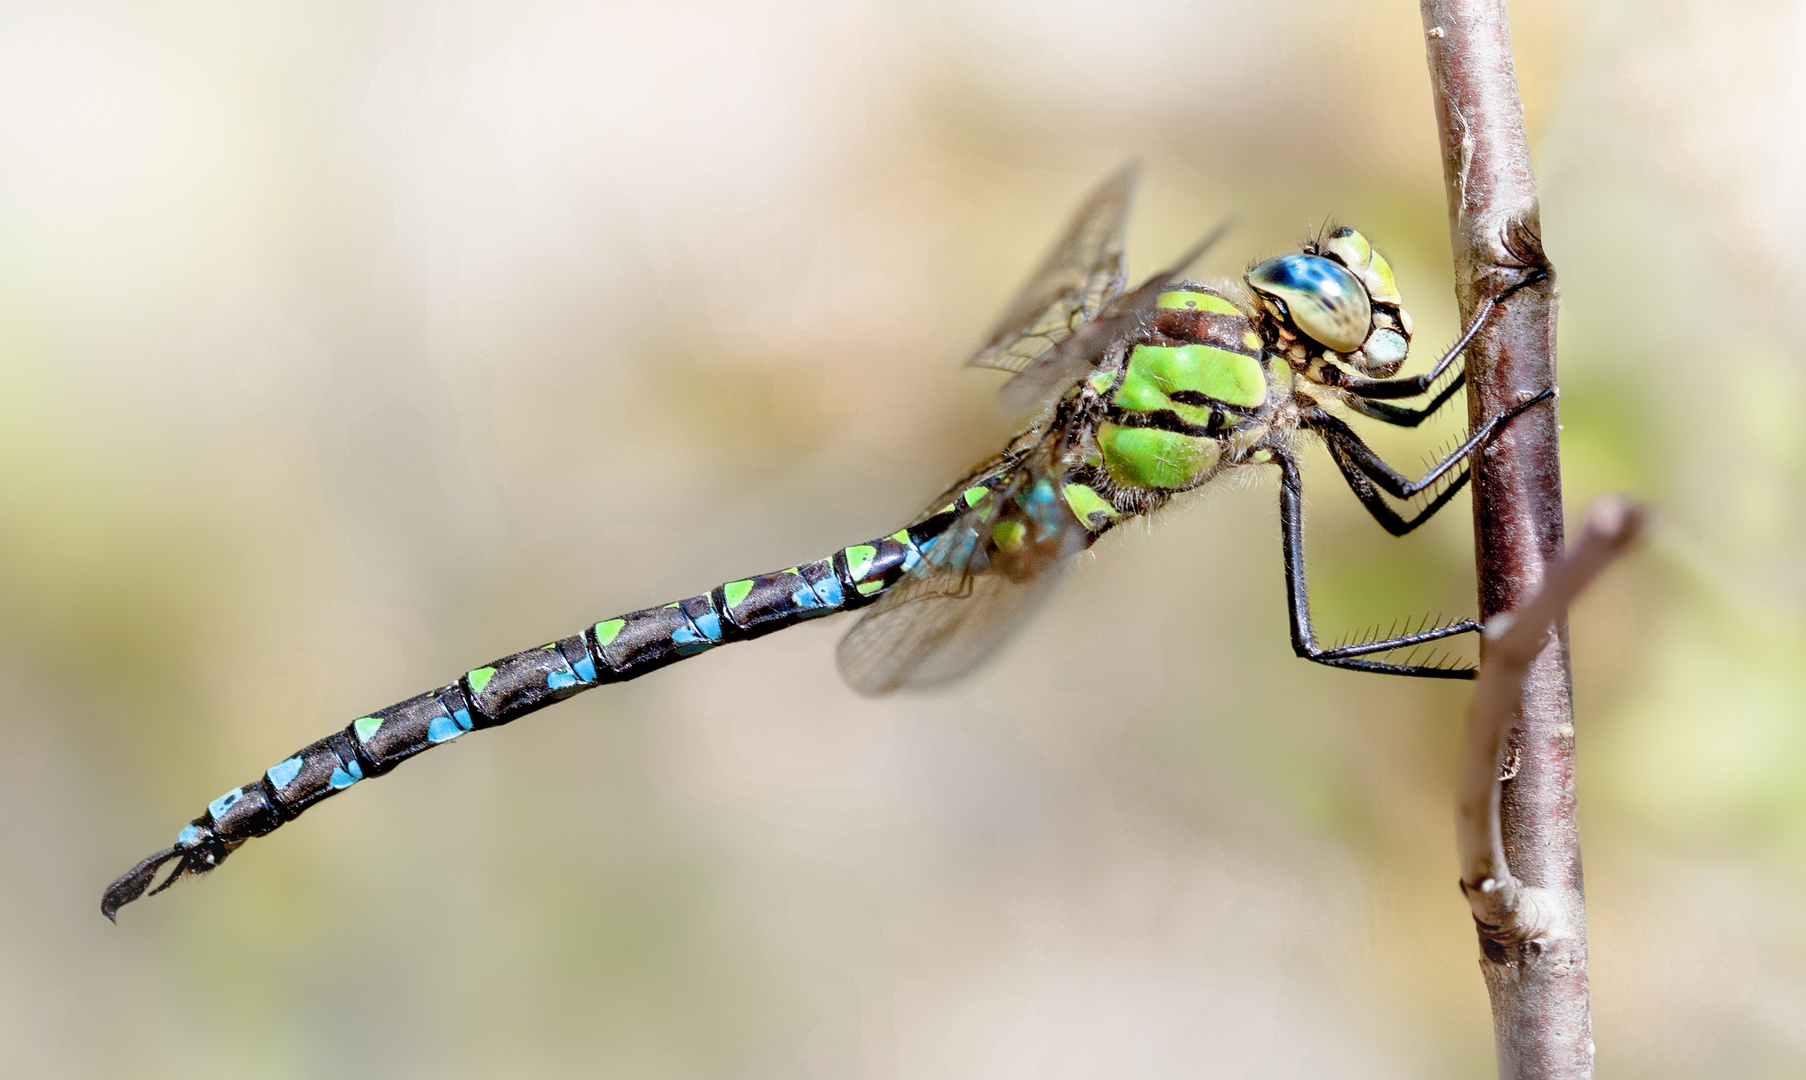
[(1339, 293)]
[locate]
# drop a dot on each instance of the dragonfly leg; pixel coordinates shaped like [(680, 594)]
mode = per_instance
[(1401, 416), (1304, 639), (1362, 387), (1363, 468), (1390, 520)]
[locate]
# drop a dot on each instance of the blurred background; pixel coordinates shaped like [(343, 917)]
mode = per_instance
[(348, 346)]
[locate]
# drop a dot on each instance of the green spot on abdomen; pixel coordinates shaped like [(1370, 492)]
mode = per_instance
[(972, 495), (1008, 536), (365, 726), (1090, 507), (859, 559), (479, 678), (1151, 458), (735, 591), (606, 632)]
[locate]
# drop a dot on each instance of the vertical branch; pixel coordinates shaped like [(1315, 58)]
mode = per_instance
[(1535, 962)]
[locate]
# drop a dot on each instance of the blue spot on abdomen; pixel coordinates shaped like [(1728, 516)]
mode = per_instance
[(218, 807), (443, 729), (283, 773), (345, 776), (698, 634)]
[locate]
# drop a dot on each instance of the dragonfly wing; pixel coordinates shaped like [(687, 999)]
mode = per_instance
[(1045, 379), (972, 587), (986, 474), (1082, 273), (935, 632)]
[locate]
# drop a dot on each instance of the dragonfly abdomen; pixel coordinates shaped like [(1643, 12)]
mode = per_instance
[(500, 692)]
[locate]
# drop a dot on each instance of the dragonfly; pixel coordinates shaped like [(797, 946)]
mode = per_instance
[(1136, 397)]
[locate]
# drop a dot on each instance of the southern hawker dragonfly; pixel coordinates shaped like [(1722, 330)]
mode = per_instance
[(1137, 397)]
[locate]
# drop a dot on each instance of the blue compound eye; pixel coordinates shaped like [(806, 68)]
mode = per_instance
[(1323, 298)]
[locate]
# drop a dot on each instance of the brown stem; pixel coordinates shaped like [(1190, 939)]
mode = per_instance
[(1536, 965)]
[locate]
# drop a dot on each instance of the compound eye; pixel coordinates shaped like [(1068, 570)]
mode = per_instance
[(1324, 299)]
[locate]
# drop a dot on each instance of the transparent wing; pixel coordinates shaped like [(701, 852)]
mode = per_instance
[(972, 587), (985, 473), (1082, 273), (937, 631), (1078, 355)]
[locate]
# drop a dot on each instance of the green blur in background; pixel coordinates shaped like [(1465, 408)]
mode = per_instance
[(349, 346)]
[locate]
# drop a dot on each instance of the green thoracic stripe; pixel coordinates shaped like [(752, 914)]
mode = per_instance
[(1232, 377), (1157, 371), (1154, 373), (1184, 299), (1152, 458)]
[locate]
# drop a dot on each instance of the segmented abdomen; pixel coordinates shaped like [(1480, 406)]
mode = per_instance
[(613, 650)]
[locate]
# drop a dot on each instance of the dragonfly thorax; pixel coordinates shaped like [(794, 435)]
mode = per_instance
[(1183, 387)]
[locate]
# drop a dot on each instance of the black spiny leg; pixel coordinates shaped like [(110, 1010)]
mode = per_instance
[(1304, 641), (1372, 389), (1363, 468), (1399, 415), (1390, 520)]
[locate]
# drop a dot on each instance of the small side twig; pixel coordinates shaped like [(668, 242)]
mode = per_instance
[(1505, 908)]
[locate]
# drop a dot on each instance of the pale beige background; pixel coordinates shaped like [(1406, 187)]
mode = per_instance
[(349, 346)]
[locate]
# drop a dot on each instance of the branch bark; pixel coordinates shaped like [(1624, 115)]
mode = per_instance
[(1535, 960)]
